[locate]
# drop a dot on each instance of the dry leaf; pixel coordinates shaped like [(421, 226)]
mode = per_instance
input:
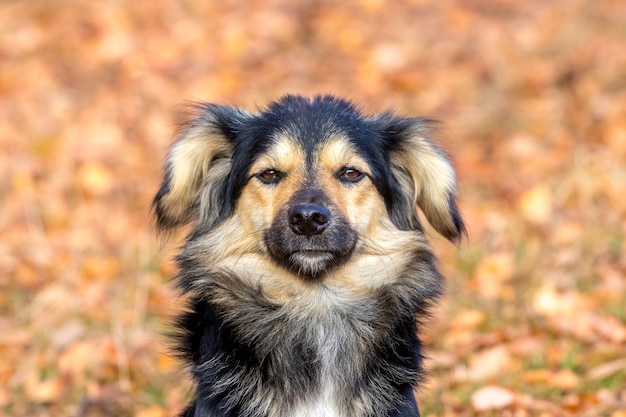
[(79, 358), (152, 412), (607, 369), (101, 267), (609, 327), (492, 398), (67, 333), (469, 319), (560, 304), (4, 397), (565, 379), (492, 274), (488, 363), (95, 178), (536, 204), (166, 362), (537, 376), (43, 390), (574, 313)]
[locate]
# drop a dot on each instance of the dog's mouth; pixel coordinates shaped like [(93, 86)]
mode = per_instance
[(313, 263), (309, 262), (313, 253), (311, 258)]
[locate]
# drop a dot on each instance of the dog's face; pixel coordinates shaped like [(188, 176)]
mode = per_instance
[(306, 189), (314, 202)]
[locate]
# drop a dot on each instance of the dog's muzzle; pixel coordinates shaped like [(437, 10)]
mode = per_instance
[(310, 236)]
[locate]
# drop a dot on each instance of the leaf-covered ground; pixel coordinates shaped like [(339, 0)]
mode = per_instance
[(533, 95)]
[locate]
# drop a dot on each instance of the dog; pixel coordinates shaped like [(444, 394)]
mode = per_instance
[(306, 266)]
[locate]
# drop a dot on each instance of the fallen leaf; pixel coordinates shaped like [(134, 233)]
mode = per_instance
[(492, 398), (536, 204), (607, 369), (166, 362), (561, 304), (488, 363), (101, 267), (95, 178), (4, 397), (537, 376), (492, 274), (565, 379), (608, 397), (154, 411), (79, 358), (469, 319), (43, 391), (609, 327), (573, 313), (571, 402)]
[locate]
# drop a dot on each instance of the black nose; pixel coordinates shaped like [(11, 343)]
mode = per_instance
[(309, 219)]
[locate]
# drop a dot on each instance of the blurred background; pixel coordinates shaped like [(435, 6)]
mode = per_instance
[(533, 97)]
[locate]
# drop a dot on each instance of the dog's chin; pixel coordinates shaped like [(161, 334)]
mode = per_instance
[(311, 265)]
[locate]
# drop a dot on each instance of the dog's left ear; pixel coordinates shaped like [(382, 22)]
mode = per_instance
[(196, 168), (424, 173)]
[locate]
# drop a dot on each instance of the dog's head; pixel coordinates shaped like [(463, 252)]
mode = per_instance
[(310, 185)]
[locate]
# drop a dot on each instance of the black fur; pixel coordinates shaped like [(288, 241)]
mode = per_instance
[(252, 356)]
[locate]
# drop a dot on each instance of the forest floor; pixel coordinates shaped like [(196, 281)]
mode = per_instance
[(533, 98)]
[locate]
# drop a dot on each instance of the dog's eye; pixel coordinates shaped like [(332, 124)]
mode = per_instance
[(270, 176), (350, 175)]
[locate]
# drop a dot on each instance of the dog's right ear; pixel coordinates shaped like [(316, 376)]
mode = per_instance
[(196, 166), (424, 174)]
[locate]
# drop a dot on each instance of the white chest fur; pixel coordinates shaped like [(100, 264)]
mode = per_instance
[(332, 336), (323, 405)]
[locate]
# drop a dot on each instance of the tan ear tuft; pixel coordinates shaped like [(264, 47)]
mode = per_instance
[(426, 175), (200, 158)]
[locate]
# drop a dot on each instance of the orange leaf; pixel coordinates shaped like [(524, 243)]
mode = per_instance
[(565, 379), (79, 358), (492, 274), (536, 204), (4, 398), (43, 391), (537, 376), (151, 412), (95, 178), (469, 319)]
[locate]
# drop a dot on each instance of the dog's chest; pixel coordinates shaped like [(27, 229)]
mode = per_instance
[(335, 339), (324, 404), (316, 353)]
